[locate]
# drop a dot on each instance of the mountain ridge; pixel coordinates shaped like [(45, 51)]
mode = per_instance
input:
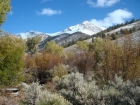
[(72, 34), (85, 27)]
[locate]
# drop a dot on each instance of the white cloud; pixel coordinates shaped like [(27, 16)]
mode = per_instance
[(102, 3), (49, 12), (42, 1), (115, 17)]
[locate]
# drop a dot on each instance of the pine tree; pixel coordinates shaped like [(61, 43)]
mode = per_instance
[(113, 37), (134, 29), (130, 30), (132, 21)]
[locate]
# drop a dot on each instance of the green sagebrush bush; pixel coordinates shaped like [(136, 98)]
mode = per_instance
[(34, 95), (116, 92), (119, 92), (78, 91)]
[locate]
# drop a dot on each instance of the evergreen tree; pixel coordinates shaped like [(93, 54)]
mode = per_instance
[(122, 31), (134, 29), (108, 29), (103, 35), (130, 30), (132, 21), (113, 37), (126, 22)]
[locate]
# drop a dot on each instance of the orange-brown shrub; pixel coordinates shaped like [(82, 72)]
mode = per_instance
[(40, 64)]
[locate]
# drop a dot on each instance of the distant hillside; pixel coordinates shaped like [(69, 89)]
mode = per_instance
[(128, 27), (134, 36)]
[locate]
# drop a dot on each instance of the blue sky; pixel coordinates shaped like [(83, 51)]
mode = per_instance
[(51, 16)]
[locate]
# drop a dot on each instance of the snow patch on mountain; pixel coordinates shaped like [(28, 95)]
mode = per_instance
[(54, 34), (86, 27), (32, 33)]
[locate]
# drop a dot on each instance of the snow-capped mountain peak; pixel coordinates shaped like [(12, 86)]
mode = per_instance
[(86, 22), (85, 27), (32, 33)]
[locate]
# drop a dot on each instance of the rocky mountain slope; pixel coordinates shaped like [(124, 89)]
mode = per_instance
[(134, 37)]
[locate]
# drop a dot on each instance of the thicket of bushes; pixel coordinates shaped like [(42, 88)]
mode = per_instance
[(101, 73), (101, 61), (74, 90), (34, 95)]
